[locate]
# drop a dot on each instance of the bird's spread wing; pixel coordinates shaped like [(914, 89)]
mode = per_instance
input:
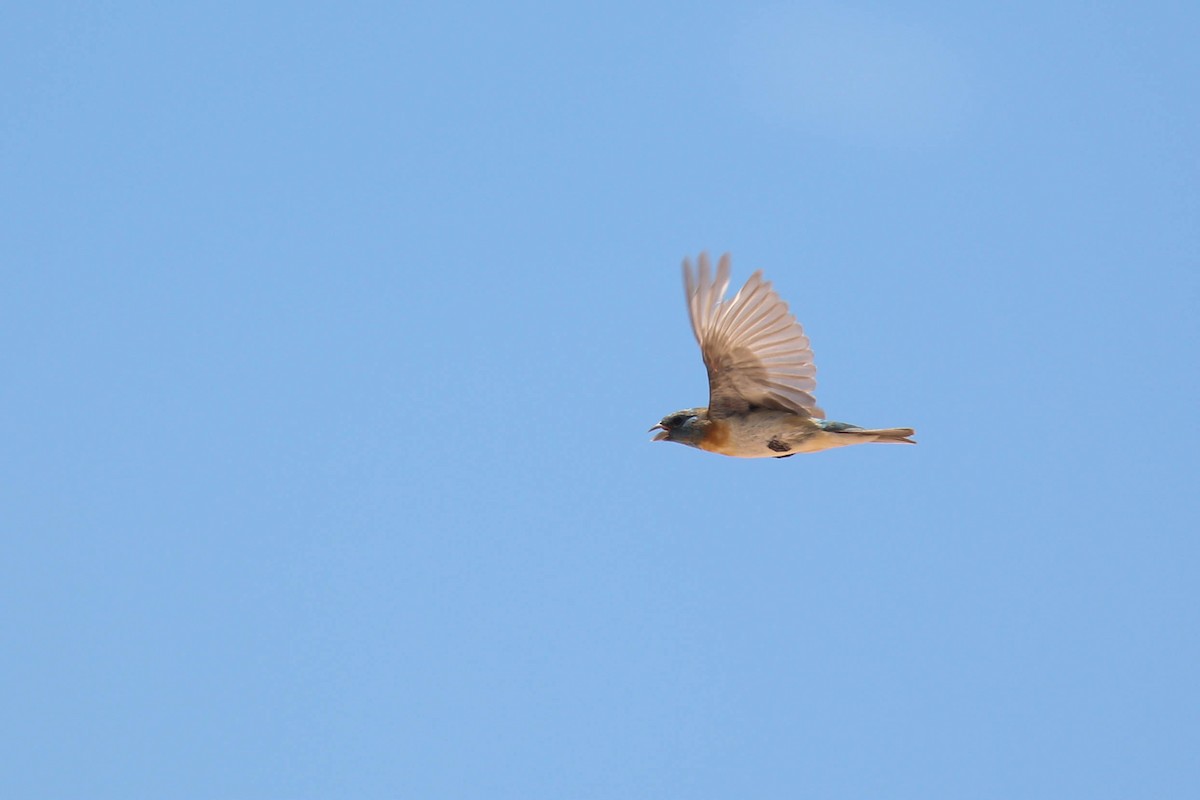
[(756, 352)]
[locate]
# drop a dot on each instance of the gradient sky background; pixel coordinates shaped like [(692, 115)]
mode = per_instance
[(332, 333)]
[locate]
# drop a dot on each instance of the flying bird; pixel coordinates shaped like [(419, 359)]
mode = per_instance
[(761, 376)]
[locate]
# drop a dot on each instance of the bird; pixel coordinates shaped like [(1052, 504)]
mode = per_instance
[(761, 376)]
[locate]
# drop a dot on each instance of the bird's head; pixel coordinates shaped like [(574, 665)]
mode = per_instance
[(682, 426)]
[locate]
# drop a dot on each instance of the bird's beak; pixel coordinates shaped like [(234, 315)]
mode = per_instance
[(662, 432)]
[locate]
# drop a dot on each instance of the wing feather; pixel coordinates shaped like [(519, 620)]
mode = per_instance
[(756, 352)]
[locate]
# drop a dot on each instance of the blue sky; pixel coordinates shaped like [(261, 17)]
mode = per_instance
[(332, 333)]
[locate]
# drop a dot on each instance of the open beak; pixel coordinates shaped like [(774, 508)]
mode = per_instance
[(661, 435)]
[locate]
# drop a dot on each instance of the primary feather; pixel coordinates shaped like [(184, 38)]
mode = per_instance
[(756, 352)]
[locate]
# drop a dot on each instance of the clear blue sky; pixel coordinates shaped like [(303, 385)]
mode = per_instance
[(331, 334)]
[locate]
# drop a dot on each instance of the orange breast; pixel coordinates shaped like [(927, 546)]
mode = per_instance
[(716, 436)]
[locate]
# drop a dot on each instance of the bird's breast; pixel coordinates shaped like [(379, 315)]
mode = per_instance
[(717, 436), (759, 434)]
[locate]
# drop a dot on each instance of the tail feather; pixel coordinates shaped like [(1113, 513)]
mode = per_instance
[(888, 435), (896, 435)]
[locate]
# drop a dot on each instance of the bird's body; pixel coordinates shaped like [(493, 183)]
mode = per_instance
[(760, 374), (778, 434)]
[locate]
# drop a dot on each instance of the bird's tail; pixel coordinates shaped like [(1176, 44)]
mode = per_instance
[(887, 435), (895, 435)]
